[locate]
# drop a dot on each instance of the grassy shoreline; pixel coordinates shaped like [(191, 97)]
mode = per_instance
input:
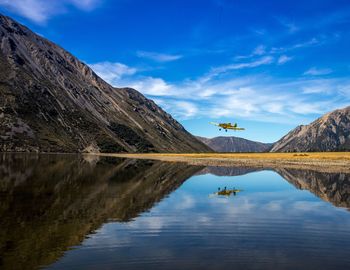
[(325, 161)]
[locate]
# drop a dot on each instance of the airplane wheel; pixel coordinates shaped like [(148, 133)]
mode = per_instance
[(220, 129), (225, 130)]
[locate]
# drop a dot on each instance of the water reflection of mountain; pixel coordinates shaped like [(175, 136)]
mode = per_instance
[(49, 203), (330, 187), (227, 171)]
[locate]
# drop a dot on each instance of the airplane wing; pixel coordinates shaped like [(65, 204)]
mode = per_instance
[(213, 123), (235, 128)]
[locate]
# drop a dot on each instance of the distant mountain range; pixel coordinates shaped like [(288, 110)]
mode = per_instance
[(235, 144), (52, 102), (331, 132)]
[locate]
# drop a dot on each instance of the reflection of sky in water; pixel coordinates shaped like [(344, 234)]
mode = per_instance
[(269, 225)]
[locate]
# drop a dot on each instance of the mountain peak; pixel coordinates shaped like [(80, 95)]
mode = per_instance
[(52, 102), (330, 132), (234, 144)]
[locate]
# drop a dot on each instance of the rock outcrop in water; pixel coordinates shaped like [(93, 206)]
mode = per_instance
[(330, 132), (50, 203), (235, 144), (52, 102)]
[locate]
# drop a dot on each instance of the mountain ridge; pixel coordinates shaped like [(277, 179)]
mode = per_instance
[(330, 132), (234, 144), (52, 102)]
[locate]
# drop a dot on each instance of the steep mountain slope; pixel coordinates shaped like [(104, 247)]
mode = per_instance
[(52, 102), (330, 132), (235, 144)]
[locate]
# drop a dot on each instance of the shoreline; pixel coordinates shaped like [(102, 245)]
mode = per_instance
[(322, 162)]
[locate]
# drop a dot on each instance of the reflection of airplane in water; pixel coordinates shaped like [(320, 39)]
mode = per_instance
[(227, 192)]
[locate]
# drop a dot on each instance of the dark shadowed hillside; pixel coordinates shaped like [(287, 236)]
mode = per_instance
[(52, 102)]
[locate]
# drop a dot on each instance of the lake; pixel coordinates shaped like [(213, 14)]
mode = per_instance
[(85, 212)]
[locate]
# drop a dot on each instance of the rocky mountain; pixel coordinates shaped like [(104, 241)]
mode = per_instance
[(330, 132), (52, 102), (235, 144)]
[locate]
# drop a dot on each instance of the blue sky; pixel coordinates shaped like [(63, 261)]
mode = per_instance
[(267, 65)]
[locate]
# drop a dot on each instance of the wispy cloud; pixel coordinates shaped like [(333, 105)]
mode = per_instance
[(151, 86), (112, 72), (121, 75), (304, 44), (289, 25), (248, 97), (189, 109), (40, 11), (318, 71), (158, 57), (258, 51), (251, 64), (85, 4), (284, 59)]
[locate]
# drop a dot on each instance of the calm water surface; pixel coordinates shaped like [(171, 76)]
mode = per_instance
[(70, 212)]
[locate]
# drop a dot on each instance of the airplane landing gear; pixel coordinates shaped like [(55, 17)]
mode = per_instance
[(220, 129), (225, 130)]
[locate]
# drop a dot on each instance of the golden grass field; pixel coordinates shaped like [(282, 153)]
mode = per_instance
[(322, 161), (292, 156)]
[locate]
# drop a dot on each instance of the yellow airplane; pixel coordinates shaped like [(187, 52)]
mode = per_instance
[(227, 192), (227, 126)]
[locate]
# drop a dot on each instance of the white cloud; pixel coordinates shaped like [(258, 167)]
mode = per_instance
[(262, 61), (40, 11), (220, 93), (189, 109), (308, 43), (321, 86), (179, 108), (159, 57), (112, 72), (260, 50), (317, 72), (121, 75), (151, 86), (284, 59)]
